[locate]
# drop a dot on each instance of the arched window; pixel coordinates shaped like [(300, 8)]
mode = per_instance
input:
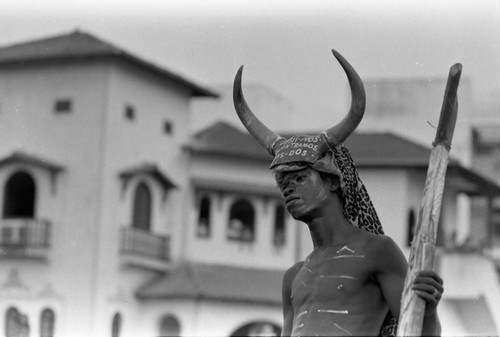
[(11, 322), (16, 324), (47, 323), (241, 221), (279, 226), (267, 329), (19, 196), (116, 325), (203, 229), (170, 326), (141, 217), (412, 222)]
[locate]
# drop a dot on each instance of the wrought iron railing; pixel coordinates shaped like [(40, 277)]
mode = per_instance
[(23, 232), (144, 243), (24, 238)]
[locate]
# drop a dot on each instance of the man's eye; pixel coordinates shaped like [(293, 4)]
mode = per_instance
[(300, 178)]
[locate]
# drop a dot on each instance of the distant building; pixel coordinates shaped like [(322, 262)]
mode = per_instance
[(116, 221), (486, 159)]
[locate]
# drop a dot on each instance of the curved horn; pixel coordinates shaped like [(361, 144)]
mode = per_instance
[(267, 138), (346, 126)]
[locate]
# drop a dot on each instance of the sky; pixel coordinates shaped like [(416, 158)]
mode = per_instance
[(285, 44)]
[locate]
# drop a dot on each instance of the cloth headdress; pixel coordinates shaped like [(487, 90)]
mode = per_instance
[(298, 152)]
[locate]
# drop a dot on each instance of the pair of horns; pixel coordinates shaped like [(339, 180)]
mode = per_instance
[(336, 134)]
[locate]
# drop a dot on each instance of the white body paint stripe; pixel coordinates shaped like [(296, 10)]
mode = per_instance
[(338, 276), (346, 248), (346, 256), (341, 328), (327, 311), (301, 314)]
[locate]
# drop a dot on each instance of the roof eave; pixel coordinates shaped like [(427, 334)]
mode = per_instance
[(196, 90)]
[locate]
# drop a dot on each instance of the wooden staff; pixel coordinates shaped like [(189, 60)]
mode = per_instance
[(424, 240)]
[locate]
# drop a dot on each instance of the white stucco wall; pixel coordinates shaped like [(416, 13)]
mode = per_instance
[(390, 193), (72, 140), (82, 281), (203, 317), (260, 253), (468, 276)]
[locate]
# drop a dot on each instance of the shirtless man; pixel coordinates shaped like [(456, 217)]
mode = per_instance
[(350, 281), (351, 284)]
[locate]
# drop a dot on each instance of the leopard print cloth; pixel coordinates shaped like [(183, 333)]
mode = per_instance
[(357, 206), (359, 210)]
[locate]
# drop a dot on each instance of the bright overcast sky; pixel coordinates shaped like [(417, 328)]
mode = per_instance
[(284, 44)]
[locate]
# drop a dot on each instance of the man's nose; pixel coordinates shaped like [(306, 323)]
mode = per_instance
[(289, 189)]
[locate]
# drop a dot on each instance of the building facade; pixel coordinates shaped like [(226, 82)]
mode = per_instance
[(118, 221)]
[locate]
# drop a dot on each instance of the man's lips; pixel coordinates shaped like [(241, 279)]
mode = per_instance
[(291, 198)]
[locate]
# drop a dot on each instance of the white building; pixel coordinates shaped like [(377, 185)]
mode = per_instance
[(117, 222)]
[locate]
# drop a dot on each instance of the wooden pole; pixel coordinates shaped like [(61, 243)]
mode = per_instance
[(424, 240)]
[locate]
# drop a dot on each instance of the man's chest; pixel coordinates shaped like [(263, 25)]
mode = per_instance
[(336, 275)]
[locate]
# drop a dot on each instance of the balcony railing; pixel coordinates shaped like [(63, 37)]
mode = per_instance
[(24, 237), (145, 244)]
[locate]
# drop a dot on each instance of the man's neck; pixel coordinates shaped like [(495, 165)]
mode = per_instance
[(330, 229)]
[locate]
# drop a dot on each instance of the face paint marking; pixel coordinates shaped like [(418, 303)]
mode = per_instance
[(352, 251), (309, 270)]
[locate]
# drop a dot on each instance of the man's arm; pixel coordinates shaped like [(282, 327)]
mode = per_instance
[(286, 293), (391, 268)]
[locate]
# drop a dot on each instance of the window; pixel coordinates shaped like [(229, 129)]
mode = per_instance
[(129, 112), (203, 229), (168, 127), (258, 328), (19, 196), (241, 221), (116, 325), (279, 226), (16, 324), (411, 227), (141, 217), (47, 322), (63, 106), (170, 326)]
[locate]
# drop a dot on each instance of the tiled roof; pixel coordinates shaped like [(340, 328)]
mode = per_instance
[(381, 149), (79, 45), (225, 139), (368, 149), (217, 282)]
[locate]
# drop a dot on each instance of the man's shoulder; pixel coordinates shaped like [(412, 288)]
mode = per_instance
[(383, 250), (374, 241), (381, 244), (291, 272), (295, 268)]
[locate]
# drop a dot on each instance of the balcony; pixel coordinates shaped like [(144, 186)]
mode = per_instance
[(143, 249), (24, 238)]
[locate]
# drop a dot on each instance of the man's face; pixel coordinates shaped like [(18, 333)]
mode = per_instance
[(305, 193)]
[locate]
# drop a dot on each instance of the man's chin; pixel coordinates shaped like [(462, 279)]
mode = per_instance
[(297, 213)]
